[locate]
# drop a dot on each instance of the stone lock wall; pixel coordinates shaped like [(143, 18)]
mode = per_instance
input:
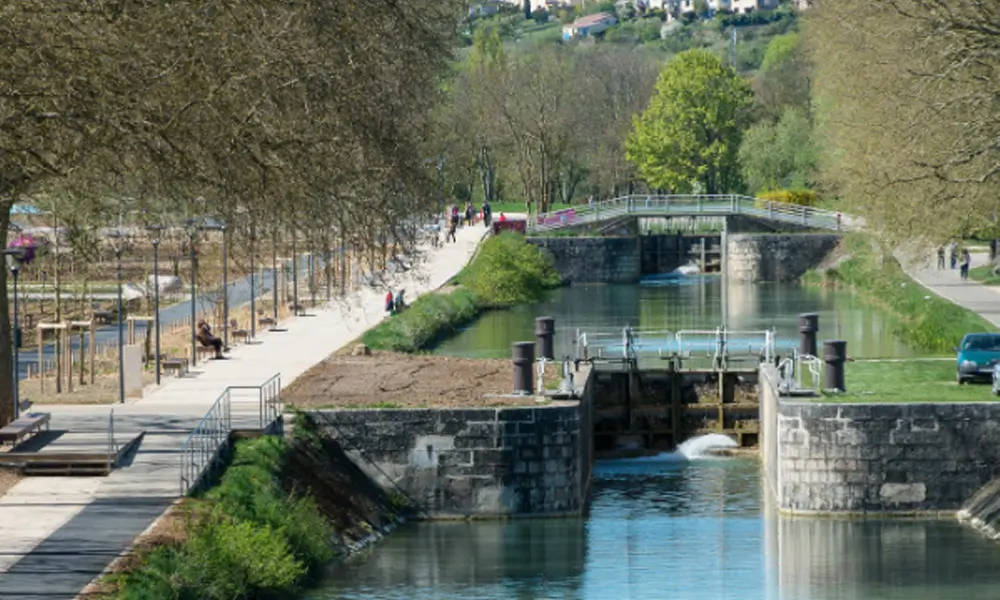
[(459, 463), (776, 257), (594, 259), (882, 457)]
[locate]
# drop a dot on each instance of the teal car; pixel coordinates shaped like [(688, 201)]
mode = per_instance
[(977, 355)]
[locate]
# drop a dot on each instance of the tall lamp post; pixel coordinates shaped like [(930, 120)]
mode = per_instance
[(274, 276), (16, 256), (295, 274), (253, 295), (192, 232), (156, 298), (225, 287), (121, 314)]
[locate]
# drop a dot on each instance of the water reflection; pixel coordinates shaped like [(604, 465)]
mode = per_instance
[(685, 530), (695, 304)]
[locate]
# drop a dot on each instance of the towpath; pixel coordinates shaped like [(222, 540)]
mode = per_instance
[(981, 299), (59, 533)]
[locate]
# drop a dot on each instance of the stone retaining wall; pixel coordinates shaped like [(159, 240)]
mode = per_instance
[(775, 257), (457, 463), (594, 259), (861, 458)]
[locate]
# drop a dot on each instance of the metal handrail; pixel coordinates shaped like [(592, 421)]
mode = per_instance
[(206, 444), (718, 343), (690, 205)]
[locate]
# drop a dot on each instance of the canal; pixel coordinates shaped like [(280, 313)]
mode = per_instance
[(693, 303), (679, 525)]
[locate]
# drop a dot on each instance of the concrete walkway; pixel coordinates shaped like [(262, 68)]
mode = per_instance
[(981, 299), (58, 533)]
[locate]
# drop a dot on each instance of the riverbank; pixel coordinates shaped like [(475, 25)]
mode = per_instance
[(921, 318), (281, 512), (505, 272)]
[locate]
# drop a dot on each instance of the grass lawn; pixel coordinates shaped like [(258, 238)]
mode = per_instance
[(984, 274), (911, 381)]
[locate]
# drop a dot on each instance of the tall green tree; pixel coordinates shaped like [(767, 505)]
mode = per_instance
[(692, 128), (779, 155)]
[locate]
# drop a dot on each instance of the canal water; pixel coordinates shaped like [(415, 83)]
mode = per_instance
[(691, 303), (680, 525)]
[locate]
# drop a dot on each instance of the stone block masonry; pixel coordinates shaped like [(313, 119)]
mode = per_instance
[(883, 457), (594, 259), (463, 463), (776, 257)]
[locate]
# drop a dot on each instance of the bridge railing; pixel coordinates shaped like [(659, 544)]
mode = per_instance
[(686, 205)]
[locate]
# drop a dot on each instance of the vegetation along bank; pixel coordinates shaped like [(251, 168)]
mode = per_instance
[(506, 271), (280, 513), (922, 319)]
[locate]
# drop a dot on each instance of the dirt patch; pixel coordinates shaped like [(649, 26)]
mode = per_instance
[(8, 479), (391, 380), (169, 529)]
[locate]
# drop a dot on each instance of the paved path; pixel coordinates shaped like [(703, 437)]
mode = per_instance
[(58, 533), (979, 298)]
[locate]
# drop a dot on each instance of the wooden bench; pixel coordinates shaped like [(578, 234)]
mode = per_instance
[(28, 424), (237, 333), (175, 364), (103, 317), (203, 351), (266, 322)]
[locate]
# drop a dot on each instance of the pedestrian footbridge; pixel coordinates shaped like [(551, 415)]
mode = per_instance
[(659, 206)]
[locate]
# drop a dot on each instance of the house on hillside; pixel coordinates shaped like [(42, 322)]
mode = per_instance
[(484, 9), (676, 8), (588, 25)]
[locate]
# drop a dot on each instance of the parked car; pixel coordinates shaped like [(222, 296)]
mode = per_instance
[(977, 355)]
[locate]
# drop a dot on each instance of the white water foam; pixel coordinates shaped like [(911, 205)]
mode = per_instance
[(695, 448)]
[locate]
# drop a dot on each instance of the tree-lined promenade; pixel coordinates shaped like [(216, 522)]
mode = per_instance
[(270, 117)]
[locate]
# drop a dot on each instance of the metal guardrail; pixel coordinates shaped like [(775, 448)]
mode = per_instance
[(718, 344), (690, 205), (794, 371), (208, 443)]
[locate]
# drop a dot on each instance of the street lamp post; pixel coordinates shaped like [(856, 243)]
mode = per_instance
[(121, 322), (192, 231), (156, 301), (274, 275), (15, 268), (225, 288), (295, 274), (253, 295)]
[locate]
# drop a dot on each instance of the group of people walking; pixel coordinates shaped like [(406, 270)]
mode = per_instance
[(956, 258), (467, 218), (395, 304)]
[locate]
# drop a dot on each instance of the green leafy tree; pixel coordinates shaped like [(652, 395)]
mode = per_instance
[(779, 155), (692, 128)]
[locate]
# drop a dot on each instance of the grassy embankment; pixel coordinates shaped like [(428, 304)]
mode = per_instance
[(506, 271), (984, 274), (921, 319), (279, 514)]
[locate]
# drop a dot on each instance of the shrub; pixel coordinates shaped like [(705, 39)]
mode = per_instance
[(922, 319), (507, 271), (799, 197), (249, 538), (430, 317)]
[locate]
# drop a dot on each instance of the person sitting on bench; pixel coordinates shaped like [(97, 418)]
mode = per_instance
[(206, 339)]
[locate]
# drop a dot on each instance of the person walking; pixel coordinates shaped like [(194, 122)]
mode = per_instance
[(388, 302), (487, 214), (468, 214), (964, 267), (940, 255), (953, 254)]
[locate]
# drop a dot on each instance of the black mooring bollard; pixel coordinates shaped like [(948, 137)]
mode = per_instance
[(808, 326), (545, 334), (524, 361), (835, 355)]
